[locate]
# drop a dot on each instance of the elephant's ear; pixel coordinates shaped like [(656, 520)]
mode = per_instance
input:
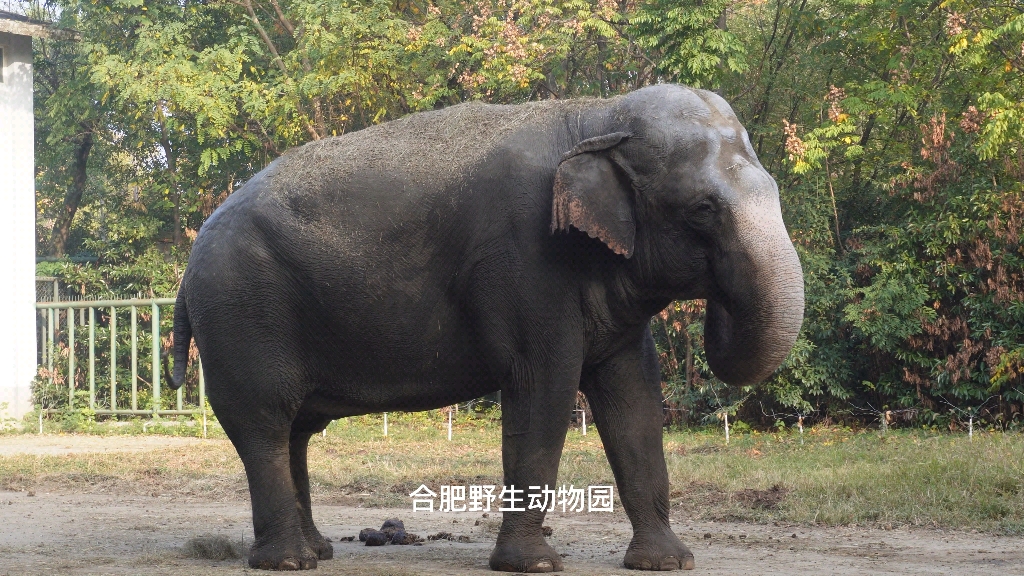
[(591, 195)]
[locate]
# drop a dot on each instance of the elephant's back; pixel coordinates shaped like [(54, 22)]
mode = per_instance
[(355, 202), (403, 168), (427, 151), (382, 204)]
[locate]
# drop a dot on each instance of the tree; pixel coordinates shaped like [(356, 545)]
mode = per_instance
[(893, 127)]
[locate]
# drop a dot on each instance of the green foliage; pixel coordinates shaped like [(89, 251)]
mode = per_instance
[(689, 40), (894, 129), (910, 157), (6, 423), (890, 310)]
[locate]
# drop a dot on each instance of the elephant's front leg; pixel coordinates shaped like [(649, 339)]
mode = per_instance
[(625, 396), (535, 418)]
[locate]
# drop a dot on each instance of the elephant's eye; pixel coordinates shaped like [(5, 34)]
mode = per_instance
[(704, 208), (702, 214)]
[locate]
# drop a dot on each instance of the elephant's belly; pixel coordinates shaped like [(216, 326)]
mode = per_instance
[(401, 376)]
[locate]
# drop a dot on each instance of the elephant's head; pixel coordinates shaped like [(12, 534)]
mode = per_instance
[(672, 185)]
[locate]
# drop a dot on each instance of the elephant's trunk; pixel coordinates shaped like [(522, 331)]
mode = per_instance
[(755, 317)]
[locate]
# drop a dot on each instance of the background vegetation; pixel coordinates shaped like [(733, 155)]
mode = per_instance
[(895, 129)]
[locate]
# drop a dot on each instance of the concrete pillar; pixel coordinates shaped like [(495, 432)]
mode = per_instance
[(17, 227)]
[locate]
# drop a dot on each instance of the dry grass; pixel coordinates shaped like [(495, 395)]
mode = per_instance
[(210, 547), (834, 477)]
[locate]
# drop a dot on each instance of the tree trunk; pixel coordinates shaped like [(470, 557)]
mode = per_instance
[(73, 197), (172, 172), (722, 25), (859, 162)]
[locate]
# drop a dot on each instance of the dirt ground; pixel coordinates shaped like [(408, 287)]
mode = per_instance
[(80, 444), (58, 532)]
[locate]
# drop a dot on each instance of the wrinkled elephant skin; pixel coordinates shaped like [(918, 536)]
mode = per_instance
[(450, 254)]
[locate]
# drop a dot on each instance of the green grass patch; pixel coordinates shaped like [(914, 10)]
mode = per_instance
[(826, 476), (842, 477), (85, 421)]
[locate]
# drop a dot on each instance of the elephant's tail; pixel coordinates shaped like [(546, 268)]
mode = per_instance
[(182, 340)]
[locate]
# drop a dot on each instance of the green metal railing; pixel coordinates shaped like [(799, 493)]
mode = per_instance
[(60, 351)]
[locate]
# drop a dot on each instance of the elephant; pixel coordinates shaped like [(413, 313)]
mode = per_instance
[(453, 253)]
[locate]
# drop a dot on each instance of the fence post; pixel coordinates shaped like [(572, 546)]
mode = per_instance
[(71, 358), (202, 394), (42, 335), (135, 359), (92, 358), (54, 323), (181, 391), (113, 358), (156, 360), (49, 342)]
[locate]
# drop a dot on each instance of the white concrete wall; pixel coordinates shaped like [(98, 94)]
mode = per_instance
[(17, 227)]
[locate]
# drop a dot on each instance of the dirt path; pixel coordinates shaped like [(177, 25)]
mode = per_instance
[(105, 534), (51, 445), (61, 532)]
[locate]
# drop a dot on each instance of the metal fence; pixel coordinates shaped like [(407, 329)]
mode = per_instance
[(47, 289), (91, 353)]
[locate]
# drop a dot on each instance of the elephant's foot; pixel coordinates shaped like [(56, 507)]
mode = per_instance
[(320, 546), (521, 555), (661, 551), (283, 557)]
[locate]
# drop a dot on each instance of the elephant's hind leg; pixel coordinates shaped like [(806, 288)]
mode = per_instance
[(264, 449), (298, 445)]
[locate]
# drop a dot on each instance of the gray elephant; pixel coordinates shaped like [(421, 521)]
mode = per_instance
[(449, 254)]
